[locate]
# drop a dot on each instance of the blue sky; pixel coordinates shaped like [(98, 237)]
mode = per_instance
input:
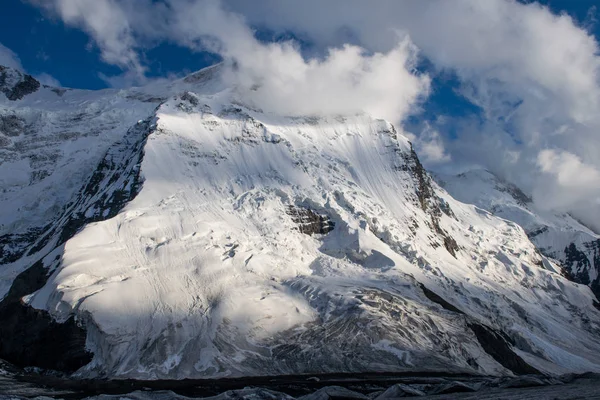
[(45, 45)]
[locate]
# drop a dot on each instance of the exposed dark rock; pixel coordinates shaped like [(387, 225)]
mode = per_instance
[(25, 84), (30, 337), (14, 246), (577, 264), (59, 91), (497, 345), (109, 199), (15, 383), (537, 232), (521, 198), (309, 222), (429, 201), (595, 286), (437, 299)]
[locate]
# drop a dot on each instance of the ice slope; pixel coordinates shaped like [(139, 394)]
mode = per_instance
[(559, 236), (51, 141), (207, 271)]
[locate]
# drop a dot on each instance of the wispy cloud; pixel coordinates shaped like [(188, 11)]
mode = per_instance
[(8, 58), (47, 79)]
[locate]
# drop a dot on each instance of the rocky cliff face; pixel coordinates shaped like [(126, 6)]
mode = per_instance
[(16, 85), (574, 247), (209, 239)]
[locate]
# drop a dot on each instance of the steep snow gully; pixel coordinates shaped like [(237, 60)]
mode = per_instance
[(173, 231)]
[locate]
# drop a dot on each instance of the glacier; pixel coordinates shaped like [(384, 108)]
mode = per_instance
[(175, 231)]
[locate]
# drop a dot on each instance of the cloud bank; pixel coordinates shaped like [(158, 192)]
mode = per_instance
[(533, 74)]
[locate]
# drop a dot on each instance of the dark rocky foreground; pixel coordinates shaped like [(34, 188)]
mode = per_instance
[(21, 384)]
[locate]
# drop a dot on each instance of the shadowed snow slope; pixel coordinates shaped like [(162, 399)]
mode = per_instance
[(208, 269)]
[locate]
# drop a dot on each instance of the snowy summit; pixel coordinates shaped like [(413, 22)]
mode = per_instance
[(178, 231)]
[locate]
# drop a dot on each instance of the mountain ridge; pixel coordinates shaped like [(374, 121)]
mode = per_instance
[(574, 246), (202, 271)]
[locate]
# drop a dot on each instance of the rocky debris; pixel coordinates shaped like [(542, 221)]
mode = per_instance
[(400, 390), (19, 384), (455, 387), (309, 222), (16, 85), (524, 381), (334, 393)]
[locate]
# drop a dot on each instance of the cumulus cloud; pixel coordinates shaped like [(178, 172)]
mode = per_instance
[(8, 58), (276, 77), (533, 74), (347, 80), (571, 175)]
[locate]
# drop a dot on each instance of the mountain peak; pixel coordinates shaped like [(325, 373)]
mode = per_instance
[(15, 85), (182, 233)]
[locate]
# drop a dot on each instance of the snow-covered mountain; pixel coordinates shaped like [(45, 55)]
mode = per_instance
[(175, 231), (557, 235)]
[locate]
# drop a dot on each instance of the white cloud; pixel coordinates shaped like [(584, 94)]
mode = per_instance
[(569, 184), (430, 146), (108, 24), (8, 58), (571, 176), (277, 78)]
